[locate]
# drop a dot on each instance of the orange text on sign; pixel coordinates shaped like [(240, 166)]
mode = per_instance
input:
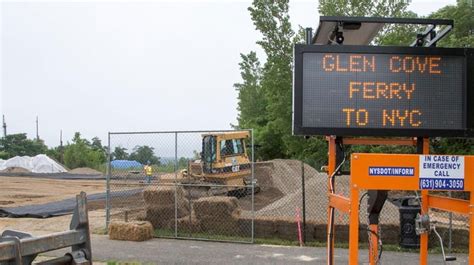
[(402, 118), (381, 90), (410, 64), (355, 63), (361, 116)]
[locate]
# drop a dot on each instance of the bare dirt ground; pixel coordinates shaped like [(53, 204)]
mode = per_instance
[(38, 227), (28, 191)]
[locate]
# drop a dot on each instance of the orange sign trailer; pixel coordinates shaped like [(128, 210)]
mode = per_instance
[(360, 179)]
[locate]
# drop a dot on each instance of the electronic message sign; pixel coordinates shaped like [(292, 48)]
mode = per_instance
[(393, 91)]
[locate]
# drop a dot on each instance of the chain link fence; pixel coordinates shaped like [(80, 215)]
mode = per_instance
[(280, 199), (195, 184)]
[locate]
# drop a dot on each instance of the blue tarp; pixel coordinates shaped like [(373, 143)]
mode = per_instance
[(125, 164)]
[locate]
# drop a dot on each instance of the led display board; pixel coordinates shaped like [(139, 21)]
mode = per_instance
[(383, 91)]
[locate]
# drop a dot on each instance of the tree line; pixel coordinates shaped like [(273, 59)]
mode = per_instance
[(80, 152), (265, 89)]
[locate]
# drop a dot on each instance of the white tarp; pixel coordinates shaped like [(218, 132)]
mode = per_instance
[(36, 164)]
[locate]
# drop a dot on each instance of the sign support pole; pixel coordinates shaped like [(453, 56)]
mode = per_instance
[(330, 225), (354, 226), (424, 143), (471, 231)]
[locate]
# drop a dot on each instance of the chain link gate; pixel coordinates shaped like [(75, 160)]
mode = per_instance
[(188, 184)]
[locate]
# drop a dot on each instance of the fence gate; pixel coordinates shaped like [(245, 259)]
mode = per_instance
[(188, 184)]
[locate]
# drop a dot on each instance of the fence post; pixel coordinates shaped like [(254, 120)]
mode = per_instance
[(253, 189), (450, 231), (107, 196), (304, 201), (176, 184)]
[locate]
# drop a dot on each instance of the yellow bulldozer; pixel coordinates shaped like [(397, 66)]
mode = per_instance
[(224, 164)]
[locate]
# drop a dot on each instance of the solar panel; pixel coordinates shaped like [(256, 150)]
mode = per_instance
[(362, 30)]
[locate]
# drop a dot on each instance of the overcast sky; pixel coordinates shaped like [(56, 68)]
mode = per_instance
[(96, 67)]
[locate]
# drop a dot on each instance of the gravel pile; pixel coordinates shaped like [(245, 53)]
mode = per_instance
[(286, 176)]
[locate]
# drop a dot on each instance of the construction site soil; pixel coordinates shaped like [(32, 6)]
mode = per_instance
[(84, 171), (280, 197)]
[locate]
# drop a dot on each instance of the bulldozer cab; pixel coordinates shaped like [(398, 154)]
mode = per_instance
[(225, 164), (208, 154), (224, 152)]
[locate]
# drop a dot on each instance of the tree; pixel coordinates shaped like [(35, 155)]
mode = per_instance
[(81, 153), (363, 8), (271, 18), (19, 145), (251, 100), (183, 162), (97, 144), (144, 154), (463, 32), (56, 154), (399, 35), (120, 153)]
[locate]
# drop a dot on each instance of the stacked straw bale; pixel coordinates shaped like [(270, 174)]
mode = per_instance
[(130, 231), (188, 224), (218, 214), (160, 209)]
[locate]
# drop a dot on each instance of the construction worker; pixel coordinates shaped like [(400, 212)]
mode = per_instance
[(148, 172)]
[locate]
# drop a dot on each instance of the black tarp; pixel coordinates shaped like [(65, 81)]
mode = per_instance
[(58, 208)]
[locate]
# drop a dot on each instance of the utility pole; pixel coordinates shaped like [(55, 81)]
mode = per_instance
[(61, 149), (37, 134), (4, 127)]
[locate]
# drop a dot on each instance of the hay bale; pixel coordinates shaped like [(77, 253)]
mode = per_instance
[(223, 225), (187, 224), (219, 214), (163, 195), (264, 227), (216, 207), (141, 216), (130, 231), (287, 228), (160, 216)]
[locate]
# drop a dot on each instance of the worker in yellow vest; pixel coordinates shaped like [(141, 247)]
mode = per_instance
[(148, 172)]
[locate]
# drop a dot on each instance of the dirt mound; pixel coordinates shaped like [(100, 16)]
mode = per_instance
[(283, 174), (278, 179), (15, 170), (317, 201), (85, 171)]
